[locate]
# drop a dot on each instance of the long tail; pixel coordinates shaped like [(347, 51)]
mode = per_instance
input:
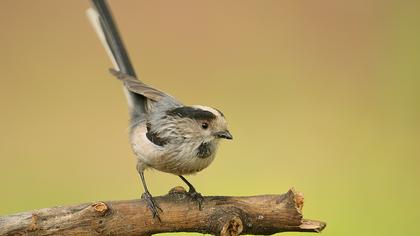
[(101, 19)]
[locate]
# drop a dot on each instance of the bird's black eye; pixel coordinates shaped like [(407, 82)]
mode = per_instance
[(204, 125)]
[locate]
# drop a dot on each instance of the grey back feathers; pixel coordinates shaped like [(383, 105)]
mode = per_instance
[(155, 99), (136, 86)]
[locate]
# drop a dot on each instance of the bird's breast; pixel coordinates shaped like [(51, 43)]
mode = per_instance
[(181, 158)]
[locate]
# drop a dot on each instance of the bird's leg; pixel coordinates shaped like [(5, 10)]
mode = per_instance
[(196, 196), (153, 206)]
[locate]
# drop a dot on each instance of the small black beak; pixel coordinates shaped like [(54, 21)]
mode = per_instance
[(224, 134)]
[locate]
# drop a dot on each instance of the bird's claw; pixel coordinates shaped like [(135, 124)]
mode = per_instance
[(152, 205), (196, 196)]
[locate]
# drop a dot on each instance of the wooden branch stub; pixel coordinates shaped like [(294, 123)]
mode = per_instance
[(221, 215)]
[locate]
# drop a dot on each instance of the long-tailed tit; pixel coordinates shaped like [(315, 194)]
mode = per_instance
[(165, 134)]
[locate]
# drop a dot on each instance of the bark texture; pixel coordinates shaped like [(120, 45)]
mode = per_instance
[(221, 215)]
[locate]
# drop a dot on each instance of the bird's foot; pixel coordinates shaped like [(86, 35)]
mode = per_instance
[(196, 196), (152, 205)]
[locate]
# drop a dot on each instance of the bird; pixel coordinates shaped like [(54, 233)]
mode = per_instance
[(164, 134), (171, 137)]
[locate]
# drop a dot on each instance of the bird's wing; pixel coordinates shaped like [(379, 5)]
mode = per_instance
[(136, 86)]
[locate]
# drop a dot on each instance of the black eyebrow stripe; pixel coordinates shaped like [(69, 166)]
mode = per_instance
[(192, 113)]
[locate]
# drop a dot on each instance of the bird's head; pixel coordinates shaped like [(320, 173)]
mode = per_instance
[(200, 123)]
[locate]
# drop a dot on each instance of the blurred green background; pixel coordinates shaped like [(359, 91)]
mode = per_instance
[(323, 96)]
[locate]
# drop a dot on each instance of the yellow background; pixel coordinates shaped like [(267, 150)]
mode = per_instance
[(320, 95)]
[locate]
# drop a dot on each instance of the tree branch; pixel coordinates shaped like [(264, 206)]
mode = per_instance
[(265, 214)]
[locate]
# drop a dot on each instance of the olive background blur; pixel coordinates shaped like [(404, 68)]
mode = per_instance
[(322, 96)]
